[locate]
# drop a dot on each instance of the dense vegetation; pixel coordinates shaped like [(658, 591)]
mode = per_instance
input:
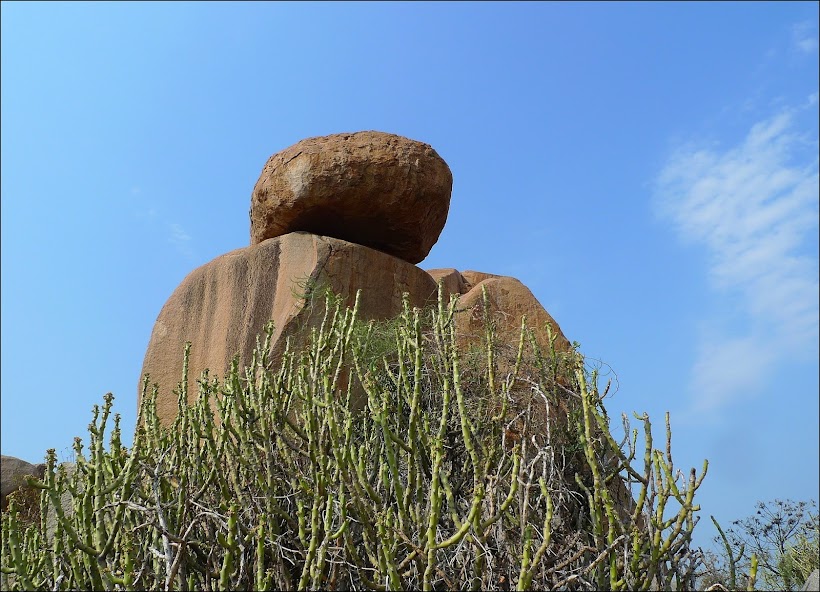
[(392, 455)]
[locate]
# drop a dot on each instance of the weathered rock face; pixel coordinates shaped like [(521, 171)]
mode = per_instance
[(508, 301), (452, 281), (12, 475), (379, 190), (223, 305)]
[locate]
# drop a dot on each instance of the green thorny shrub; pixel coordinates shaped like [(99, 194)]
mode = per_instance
[(273, 480)]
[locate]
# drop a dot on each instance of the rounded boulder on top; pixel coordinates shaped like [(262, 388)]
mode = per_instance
[(374, 189)]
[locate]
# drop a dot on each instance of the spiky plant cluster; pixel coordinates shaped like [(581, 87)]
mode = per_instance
[(351, 465)]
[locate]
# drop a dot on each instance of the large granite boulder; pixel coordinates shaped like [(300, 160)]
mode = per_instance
[(379, 190), (222, 306), (13, 472)]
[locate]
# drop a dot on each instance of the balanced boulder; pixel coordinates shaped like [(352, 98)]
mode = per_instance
[(371, 188), (222, 306), (345, 212)]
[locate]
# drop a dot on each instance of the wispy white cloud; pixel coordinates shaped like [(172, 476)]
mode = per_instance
[(755, 207), (144, 209), (181, 240), (728, 366), (141, 208), (178, 234), (804, 36)]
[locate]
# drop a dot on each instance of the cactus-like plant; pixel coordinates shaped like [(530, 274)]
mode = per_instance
[(452, 474)]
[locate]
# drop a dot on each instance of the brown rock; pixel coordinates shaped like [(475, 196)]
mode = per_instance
[(474, 277), (223, 305), (451, 280), (509, 300), (12, 475), (379, 190)]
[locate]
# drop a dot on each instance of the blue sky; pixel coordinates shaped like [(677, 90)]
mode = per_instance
[(648, 170)]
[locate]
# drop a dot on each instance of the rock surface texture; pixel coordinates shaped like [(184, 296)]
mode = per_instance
[(223, 305), (12, 475), (347, 212), (379, 190), (508, 300)]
